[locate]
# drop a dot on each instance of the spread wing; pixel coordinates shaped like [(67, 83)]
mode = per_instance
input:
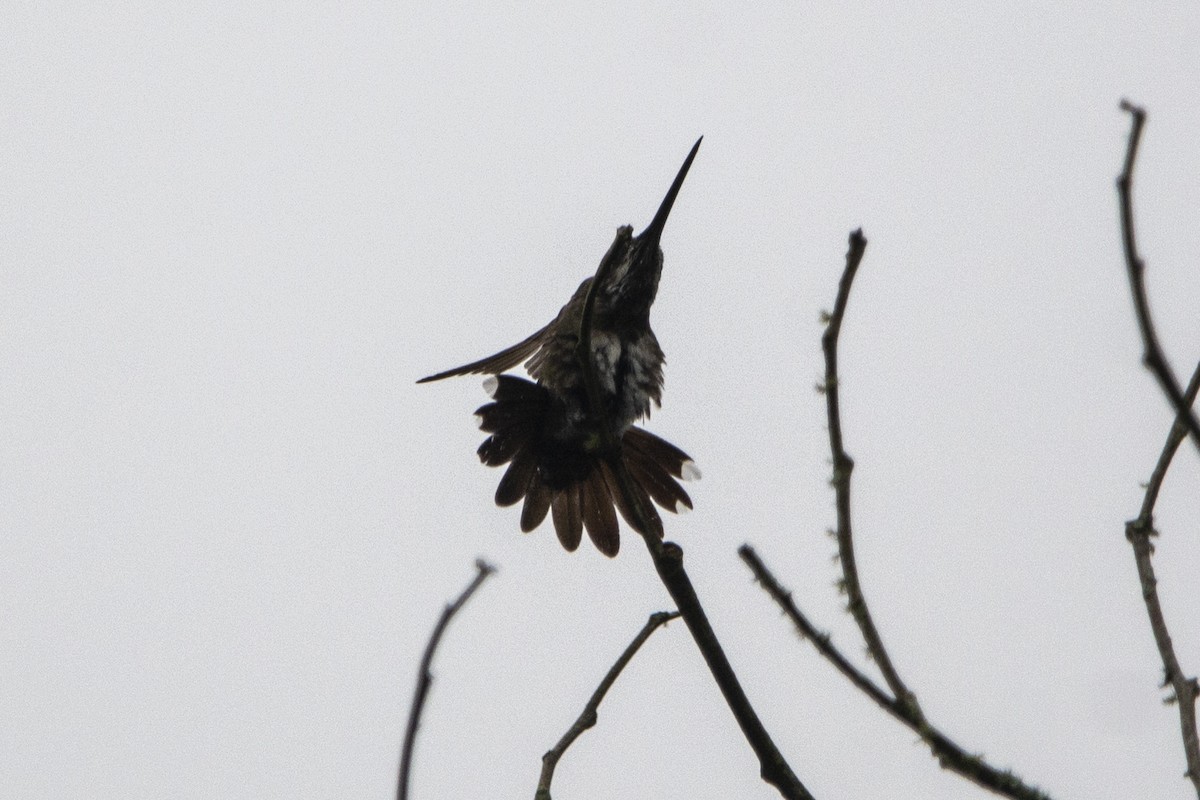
[(494, 365)]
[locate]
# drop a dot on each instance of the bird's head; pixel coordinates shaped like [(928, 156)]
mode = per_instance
[(635, 262)]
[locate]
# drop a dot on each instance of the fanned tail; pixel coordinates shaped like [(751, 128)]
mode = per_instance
[(575, 487)]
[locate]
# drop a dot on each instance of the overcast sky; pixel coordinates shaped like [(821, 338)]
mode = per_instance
[(231, 239)]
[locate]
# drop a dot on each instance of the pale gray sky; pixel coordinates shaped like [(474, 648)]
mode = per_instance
[(233, 238)]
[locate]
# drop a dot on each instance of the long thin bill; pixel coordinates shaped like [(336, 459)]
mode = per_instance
[(655, 228)]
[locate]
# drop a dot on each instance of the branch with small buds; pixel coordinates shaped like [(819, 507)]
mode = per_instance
[(901, 702), (1139, 531)]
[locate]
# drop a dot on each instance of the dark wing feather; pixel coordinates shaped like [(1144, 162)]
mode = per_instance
[(499, 448), (494, 365), (513, 419), (515, 482)]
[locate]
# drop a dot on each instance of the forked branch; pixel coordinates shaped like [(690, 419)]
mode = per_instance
[(1139, 531), (900, 702), (949, 754), (589, 715)]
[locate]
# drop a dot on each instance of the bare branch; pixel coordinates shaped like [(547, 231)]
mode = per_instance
[(588, 716), (1176, 436), (425, 677), (1153, 356), (1139, 532), (948, 754), (902, 703), (843, 466), (1185, 689), (820, 639)]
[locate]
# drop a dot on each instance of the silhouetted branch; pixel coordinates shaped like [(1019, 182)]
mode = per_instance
[(425, 677), (668, 562), (902, 703), (1176, 436), (1140, 530), (587, 718), (820, 639), (843, 466), (949, 755), (1153, 356)]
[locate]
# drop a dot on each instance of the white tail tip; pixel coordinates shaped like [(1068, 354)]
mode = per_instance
[(490, 384)]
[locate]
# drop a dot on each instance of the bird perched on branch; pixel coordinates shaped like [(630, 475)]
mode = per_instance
[(547, 432)]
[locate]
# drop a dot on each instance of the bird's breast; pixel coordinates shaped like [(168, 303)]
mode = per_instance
[(628, 365)]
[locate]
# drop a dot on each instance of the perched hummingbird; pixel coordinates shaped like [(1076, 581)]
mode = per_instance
[(546, 429)]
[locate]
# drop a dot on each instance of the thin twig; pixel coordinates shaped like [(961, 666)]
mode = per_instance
[(1174, 439), (819, 638), (902, 703), (425, 677), (843, 466), (668, 562), (1153, 357), (1139, 532), (587, 718), (949, 754)]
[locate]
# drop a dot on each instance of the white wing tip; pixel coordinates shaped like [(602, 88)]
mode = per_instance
[(490, 384), (689, 471)]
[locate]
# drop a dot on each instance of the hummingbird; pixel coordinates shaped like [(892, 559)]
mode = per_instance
[(545, 430)]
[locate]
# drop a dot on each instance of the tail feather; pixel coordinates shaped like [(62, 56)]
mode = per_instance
[(658, 450), (652, 517), (568, 521), (577, 489), (537, 503), (658, 483), (599, 518), (656, 464)]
